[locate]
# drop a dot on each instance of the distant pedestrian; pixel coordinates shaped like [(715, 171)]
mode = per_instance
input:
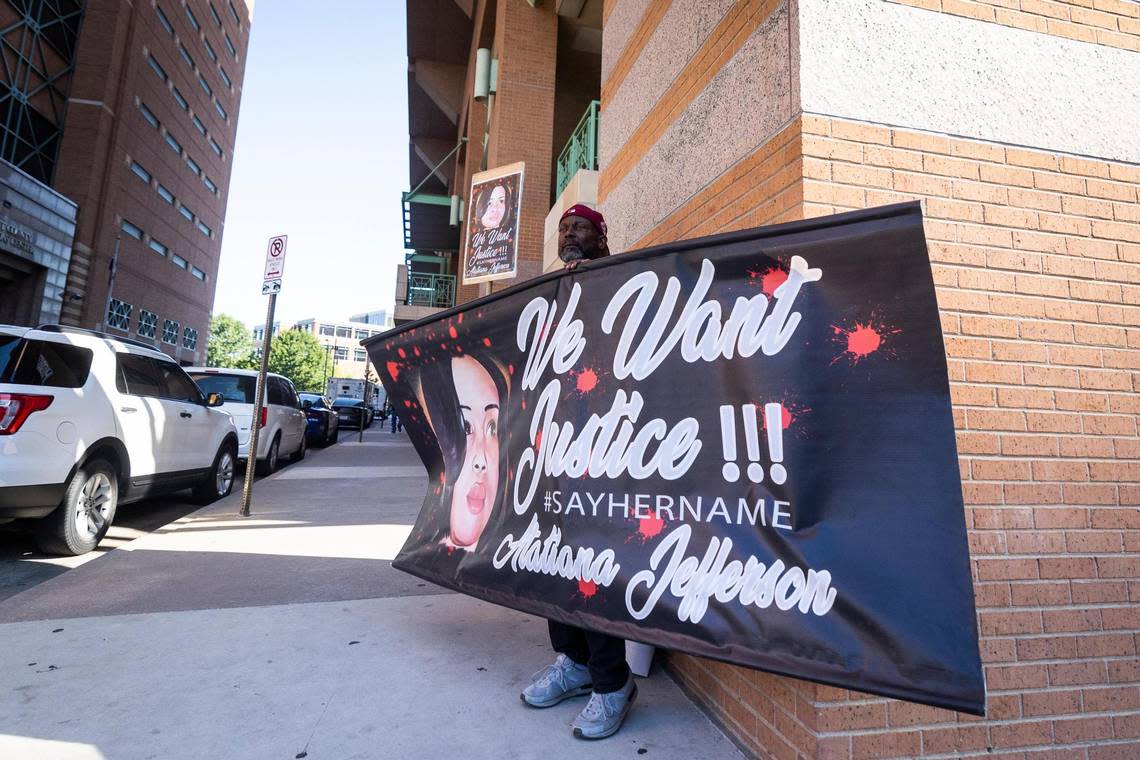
[(397, 423)]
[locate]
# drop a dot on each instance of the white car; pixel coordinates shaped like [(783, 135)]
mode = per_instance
[(283, 419), (89, 421)]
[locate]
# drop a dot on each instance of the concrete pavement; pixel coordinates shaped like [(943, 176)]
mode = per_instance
[(288, 635)]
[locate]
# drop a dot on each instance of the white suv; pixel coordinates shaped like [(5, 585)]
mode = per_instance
[(283, 419), (89, 421)]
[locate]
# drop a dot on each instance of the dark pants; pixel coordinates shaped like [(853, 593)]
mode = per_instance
[(396, 422), (604, 655)]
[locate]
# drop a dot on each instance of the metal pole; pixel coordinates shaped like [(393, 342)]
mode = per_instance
[(258, 401)]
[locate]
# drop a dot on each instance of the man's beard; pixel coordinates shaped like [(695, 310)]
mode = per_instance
[(570, 253)]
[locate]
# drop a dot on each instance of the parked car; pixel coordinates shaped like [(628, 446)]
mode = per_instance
[(89, 421), (282, 419), (352, 411), (323, 422)]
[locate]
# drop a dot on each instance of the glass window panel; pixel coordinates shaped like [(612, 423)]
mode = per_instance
[(198, 125), (198, 273), (230, 45), (221, 111), (205, 86), (165, 194), (214, 15), (139, 376), (186, 56), (190, 338), (186, 213), (234, 15), (132, 230), (204, 229), (179, 262), (209, 50), (170, 332), (193, 19), (174, 144), (154, 64), (148, 322), (193, 165), (119, 314), (158, 247), (180, 99), (151, 119), (209, 183), (217, 148), (226, 77), (140, 172), (162, 19)]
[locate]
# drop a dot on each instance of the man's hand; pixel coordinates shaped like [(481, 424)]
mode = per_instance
[(572, 265)]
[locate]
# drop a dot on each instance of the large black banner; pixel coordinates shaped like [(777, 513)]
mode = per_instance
[(739, 446)]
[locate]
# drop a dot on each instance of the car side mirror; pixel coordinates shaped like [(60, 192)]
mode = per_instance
[(215, 399), (306, 405)]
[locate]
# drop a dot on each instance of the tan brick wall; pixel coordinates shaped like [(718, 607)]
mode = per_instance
[(1036, 258), (1115, 23)]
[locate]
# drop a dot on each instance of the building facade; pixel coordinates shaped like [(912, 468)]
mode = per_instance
[(1014, 123), (344, 356), (134, 109)]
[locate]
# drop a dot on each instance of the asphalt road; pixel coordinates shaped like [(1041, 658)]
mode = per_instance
[(23, 566)]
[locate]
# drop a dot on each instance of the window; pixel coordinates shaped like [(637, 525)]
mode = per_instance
[(239, 388), (217, 148), (158, 247), (327, 330), (341, 354), (204, 229), (234, 15), (119, 314), (176, 383), (186, 213), (215, 16), (206, 87), (162, 19), (151, 119), (138, 375), (157, 68), (170, 332), (230, 45), (148, 321), (43, 363), (198, 125), (344, 332), (186, 56), (179, 261), (180, 99), (209, 50), (275, 392), (226, 78), (193, 19), (190, 338), (174, 144), (221, 111), (132, 230), (165, 194), (360, 355), (198, 273), (193, 165), (140, 172), (209, 183), (361, 334)]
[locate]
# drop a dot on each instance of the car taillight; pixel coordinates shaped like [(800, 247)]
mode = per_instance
[(17, 407), (264, 415)]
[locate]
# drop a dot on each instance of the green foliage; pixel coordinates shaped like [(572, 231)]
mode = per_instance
[(230, 345), (298, 355)]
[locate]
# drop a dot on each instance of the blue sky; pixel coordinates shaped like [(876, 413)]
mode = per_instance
[(321, 156)]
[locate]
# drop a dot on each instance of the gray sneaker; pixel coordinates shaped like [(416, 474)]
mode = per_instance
[(560, 680), (603, 714)]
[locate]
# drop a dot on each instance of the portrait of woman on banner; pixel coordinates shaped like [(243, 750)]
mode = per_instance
[(492, 231), (464, 397)]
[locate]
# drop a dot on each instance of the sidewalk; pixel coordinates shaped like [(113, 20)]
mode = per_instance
[(288, 635)]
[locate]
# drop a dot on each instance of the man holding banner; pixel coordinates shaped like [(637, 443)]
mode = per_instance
[(587, 660)]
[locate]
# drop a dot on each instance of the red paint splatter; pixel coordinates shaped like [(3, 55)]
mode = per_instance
[(538, 440), (862, 340), (786, 417), (511, 369), (443, 346), (587, 588), (487, 342), (407, 403), (768, 279), (394, 370), (648, 527), (451, 331), (403, 354), (460, 317), (587, 380), (416, 350)]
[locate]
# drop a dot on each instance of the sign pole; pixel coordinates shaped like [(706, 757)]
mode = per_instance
[(258, 401), (270, 286)]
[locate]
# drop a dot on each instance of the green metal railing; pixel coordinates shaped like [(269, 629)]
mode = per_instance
[(581, 151), (434, 290)]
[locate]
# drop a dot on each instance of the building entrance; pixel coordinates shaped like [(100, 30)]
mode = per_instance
[(21, 290)]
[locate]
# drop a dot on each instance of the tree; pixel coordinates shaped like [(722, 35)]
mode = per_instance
[(230, 344), (298, 355)]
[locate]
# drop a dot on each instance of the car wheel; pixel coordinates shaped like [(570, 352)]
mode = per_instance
[(86, 512), (269, 465), (220, 480), (304, 449), (334, 431)]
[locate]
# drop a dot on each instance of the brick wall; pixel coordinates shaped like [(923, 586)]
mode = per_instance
[(1036, 258), (1115, 23)]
